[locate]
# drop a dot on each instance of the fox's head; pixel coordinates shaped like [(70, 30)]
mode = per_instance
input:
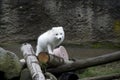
[(58, 33)]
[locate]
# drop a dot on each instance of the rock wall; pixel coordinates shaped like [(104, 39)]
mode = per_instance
[(83, 20)]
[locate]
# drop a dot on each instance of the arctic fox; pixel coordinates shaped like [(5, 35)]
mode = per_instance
[(49, 40)]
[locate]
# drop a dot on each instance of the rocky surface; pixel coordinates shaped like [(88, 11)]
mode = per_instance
[(83, 20), (25, 75), (9, 64)]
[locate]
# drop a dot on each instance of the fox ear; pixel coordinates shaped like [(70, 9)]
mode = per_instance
[(53, 28), (60, 27)]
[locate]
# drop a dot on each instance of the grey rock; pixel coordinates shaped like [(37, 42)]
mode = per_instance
[(9, 64), (25, 75), (83, 20)]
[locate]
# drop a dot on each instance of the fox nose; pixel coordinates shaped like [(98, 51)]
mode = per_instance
[(60, 38)]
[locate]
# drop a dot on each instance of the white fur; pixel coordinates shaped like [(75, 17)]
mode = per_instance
[(49, 40)]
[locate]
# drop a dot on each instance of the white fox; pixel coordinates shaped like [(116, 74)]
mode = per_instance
[(49, 40)]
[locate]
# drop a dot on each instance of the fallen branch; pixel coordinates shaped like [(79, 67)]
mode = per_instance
[(105, 77), (78, 64), (59, 57), (50, 60), (85, 63), (32, 62)]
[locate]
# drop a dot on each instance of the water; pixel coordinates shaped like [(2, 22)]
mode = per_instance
[(73, 51)]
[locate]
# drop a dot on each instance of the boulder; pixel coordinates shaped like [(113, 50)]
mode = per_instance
[(25, 74), (9, 64)]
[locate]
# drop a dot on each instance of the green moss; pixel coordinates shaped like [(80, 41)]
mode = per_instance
[(105, 45), (102, 44), (117, 27), (110, 68), (97, 45)]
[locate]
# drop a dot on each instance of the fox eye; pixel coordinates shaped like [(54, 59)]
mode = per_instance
[(60, 33), (56, 34)]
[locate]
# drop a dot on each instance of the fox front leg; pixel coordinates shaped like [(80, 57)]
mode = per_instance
[(50, 51), (38, 50)]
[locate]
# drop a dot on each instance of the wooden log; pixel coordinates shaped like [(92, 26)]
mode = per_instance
[(61, 52), (32, 62), (59, 57), (104, 77), (85, 63), (50, 60)]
